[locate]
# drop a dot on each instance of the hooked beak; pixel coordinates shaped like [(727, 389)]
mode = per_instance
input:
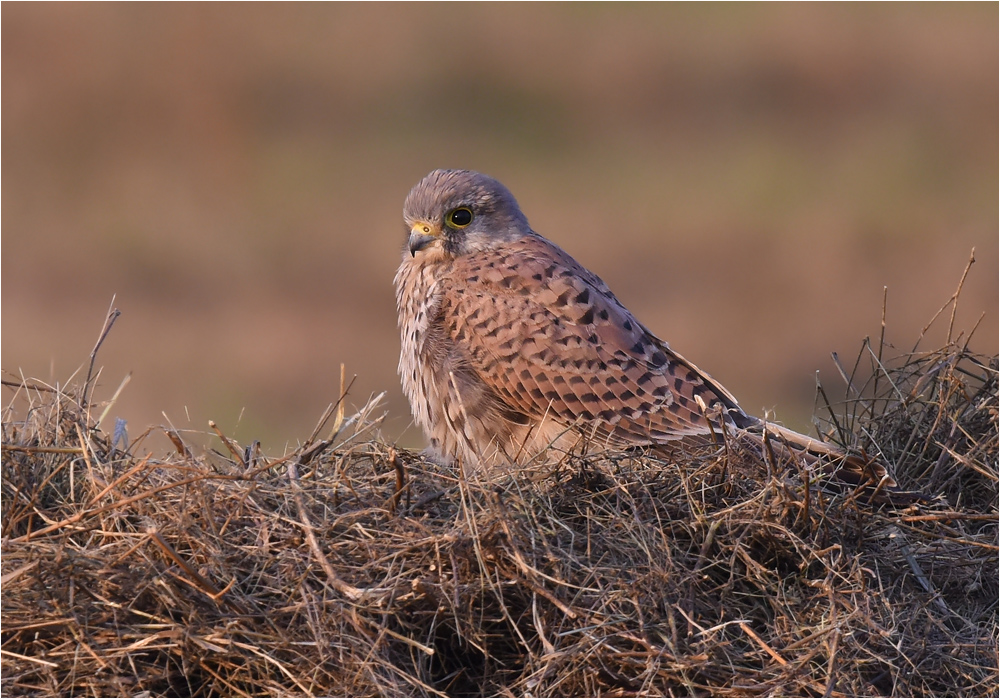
[(421, 235)]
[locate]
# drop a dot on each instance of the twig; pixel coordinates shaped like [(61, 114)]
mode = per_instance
[(178, 443), (113, 314), (953, 299), (29, 386), (204, 585), (760, 641), (349, 591), (233, 448), (397, 465), (28, 658), (43, 450)]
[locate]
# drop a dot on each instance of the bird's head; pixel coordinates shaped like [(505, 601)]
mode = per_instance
[(455, 212)]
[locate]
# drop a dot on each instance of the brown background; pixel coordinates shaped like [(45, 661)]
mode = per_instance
[(746, 178)]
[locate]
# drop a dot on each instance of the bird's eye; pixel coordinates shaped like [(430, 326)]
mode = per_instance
[(459, 218)]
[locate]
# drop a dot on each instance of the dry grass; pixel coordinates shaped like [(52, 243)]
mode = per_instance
[(347, 568)]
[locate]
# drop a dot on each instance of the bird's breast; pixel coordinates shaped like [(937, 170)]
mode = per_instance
[(418, 299)]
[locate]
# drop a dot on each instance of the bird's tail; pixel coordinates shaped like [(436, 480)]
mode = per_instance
[(867, 473)]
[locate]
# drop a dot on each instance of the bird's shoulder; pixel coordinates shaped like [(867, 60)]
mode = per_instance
[(539, 272), (535, 287)]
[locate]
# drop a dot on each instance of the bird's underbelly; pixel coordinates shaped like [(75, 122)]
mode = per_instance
[(463, 425)]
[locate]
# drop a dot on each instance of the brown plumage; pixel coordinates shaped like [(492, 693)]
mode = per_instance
[(510, 346)]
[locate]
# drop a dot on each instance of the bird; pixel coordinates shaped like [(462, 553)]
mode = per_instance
[(510, 347)]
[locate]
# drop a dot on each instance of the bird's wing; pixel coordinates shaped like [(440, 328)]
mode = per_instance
[(549, 338)]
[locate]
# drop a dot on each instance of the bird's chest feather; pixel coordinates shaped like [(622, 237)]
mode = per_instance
[(419, 293)]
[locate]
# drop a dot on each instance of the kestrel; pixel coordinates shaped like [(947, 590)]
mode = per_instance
[(510, 346)]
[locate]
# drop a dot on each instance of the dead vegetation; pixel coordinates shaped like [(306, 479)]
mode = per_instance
[(348, 568)]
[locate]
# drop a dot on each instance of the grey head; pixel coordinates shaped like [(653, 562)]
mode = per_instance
[(455, 212)]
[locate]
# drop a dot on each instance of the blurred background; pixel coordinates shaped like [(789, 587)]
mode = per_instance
[(747, 178)]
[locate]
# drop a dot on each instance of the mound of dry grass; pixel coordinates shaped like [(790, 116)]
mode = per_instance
[(346, 568)]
